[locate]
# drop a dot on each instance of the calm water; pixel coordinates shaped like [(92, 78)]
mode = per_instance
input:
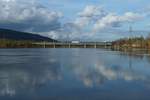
[(73, 74)]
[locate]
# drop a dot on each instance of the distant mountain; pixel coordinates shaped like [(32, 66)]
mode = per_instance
[(16, 35)]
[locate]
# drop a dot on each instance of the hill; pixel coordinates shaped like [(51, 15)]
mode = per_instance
[(22, 36)]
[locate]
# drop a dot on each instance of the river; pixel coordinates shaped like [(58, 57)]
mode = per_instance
[(73, 74)]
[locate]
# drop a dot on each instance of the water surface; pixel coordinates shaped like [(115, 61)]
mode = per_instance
[(73, 74)]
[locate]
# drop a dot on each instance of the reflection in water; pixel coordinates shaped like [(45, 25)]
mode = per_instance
[(28, 70), (13, 79), (100, 73)]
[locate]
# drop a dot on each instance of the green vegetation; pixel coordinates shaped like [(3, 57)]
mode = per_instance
[(132, 43), (5, 43)]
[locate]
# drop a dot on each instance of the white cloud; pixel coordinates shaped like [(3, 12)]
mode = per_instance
[(82, 21), (91, 10), (131, 17), (27, 15), (90, 14), (113, 20), (92, 22), (31, 16)]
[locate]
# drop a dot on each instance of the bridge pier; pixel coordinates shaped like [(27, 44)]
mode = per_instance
[(84, 45), (69, 45), (95, 46), (105, 45), (54, 45), (44, 44)]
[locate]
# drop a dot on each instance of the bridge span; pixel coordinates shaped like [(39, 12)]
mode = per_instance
[(74, 45)]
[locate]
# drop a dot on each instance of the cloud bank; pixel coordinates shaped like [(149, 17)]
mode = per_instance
[(96, 20), (32, 16), (114, 20), (28, 16)]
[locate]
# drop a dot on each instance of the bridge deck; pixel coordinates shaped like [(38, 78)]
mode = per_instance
[(73, 45)]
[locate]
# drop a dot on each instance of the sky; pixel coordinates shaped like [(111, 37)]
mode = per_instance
[(77, 20)]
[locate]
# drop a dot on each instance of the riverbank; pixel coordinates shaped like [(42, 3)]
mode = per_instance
[(131, 43), (5, 43), (122, 45), (33, 44)]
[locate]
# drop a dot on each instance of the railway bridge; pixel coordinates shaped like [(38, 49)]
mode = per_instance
[(74, 45)]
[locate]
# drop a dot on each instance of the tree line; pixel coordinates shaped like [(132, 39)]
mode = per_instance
[(134, 42), (8, 43)]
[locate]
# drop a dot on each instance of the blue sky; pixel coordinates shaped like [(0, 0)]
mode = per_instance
[(95, 20), (70, 8)]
